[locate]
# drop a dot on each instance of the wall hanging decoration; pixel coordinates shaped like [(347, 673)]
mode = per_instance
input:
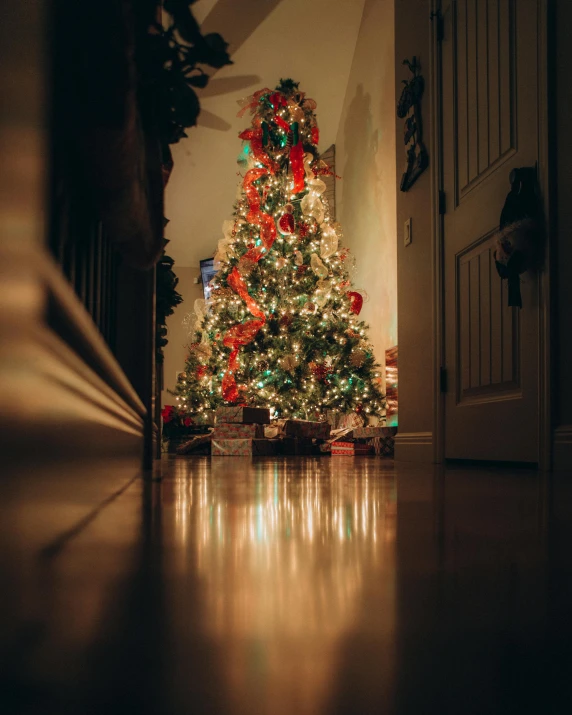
[(409, 108), (518, 244)]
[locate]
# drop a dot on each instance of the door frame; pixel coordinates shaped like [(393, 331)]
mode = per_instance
[(545, 177)]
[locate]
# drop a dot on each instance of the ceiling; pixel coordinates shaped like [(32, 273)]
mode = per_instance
[(311, 41)]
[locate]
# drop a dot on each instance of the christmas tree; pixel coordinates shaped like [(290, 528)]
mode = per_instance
[(281, 326)]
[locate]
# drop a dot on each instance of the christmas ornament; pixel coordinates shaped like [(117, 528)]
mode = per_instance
[(281, 262), (285, 221), (298, 258), (357, 358), (302, 269), (356, 302), (221, 294), (310, 307), (317, 266), (286, 320), (263, 365), (320, 371), (289, 363), (303, 230)]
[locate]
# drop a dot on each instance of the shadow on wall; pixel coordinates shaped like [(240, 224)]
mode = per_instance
[(365, 219), (361, 144)]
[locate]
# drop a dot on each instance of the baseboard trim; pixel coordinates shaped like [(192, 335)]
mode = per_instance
[(414, 447), (62, 393), (562, 448)]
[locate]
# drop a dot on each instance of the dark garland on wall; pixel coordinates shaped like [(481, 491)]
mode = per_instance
[(171, 71)]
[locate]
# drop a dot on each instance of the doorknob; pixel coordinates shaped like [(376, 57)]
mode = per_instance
[(518, 238)]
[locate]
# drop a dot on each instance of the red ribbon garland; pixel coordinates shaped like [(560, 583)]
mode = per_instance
[(297, 164), (243, 333), (254, 136)]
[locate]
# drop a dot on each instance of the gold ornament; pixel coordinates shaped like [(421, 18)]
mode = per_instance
[(222, 294), (298, 258), (289, 363), (357, 358), (281, 263)]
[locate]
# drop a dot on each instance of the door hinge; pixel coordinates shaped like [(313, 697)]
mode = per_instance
[(443, 379), (442, 202), (437, 18)]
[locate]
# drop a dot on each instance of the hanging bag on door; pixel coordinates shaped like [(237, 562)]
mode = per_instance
[(518, 241)]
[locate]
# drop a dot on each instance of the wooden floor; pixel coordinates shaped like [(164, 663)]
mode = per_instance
[(286, 587)]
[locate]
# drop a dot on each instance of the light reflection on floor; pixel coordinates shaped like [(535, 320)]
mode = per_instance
[(239, 586), (285, 552)]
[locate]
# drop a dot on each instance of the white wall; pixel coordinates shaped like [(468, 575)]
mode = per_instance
[(366, 161), (177, 348)]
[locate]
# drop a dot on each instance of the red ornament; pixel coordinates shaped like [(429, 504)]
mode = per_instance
[(356, 302), (320, 371), (302, 268), (188, 421), (201, 370), (315, 135), (303, 230), (285, 222)]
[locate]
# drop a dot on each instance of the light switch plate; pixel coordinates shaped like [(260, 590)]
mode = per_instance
[(407, 237)]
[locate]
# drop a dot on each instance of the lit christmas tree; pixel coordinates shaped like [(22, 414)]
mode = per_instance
[(281, 326)]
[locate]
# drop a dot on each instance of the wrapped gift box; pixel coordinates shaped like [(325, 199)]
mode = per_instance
[(294, 446), (351, 419), (237, 430), (350, 449), (260, 415), (199, 444), (369, 432), (383, 446), (242, 447), (305, 428)]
